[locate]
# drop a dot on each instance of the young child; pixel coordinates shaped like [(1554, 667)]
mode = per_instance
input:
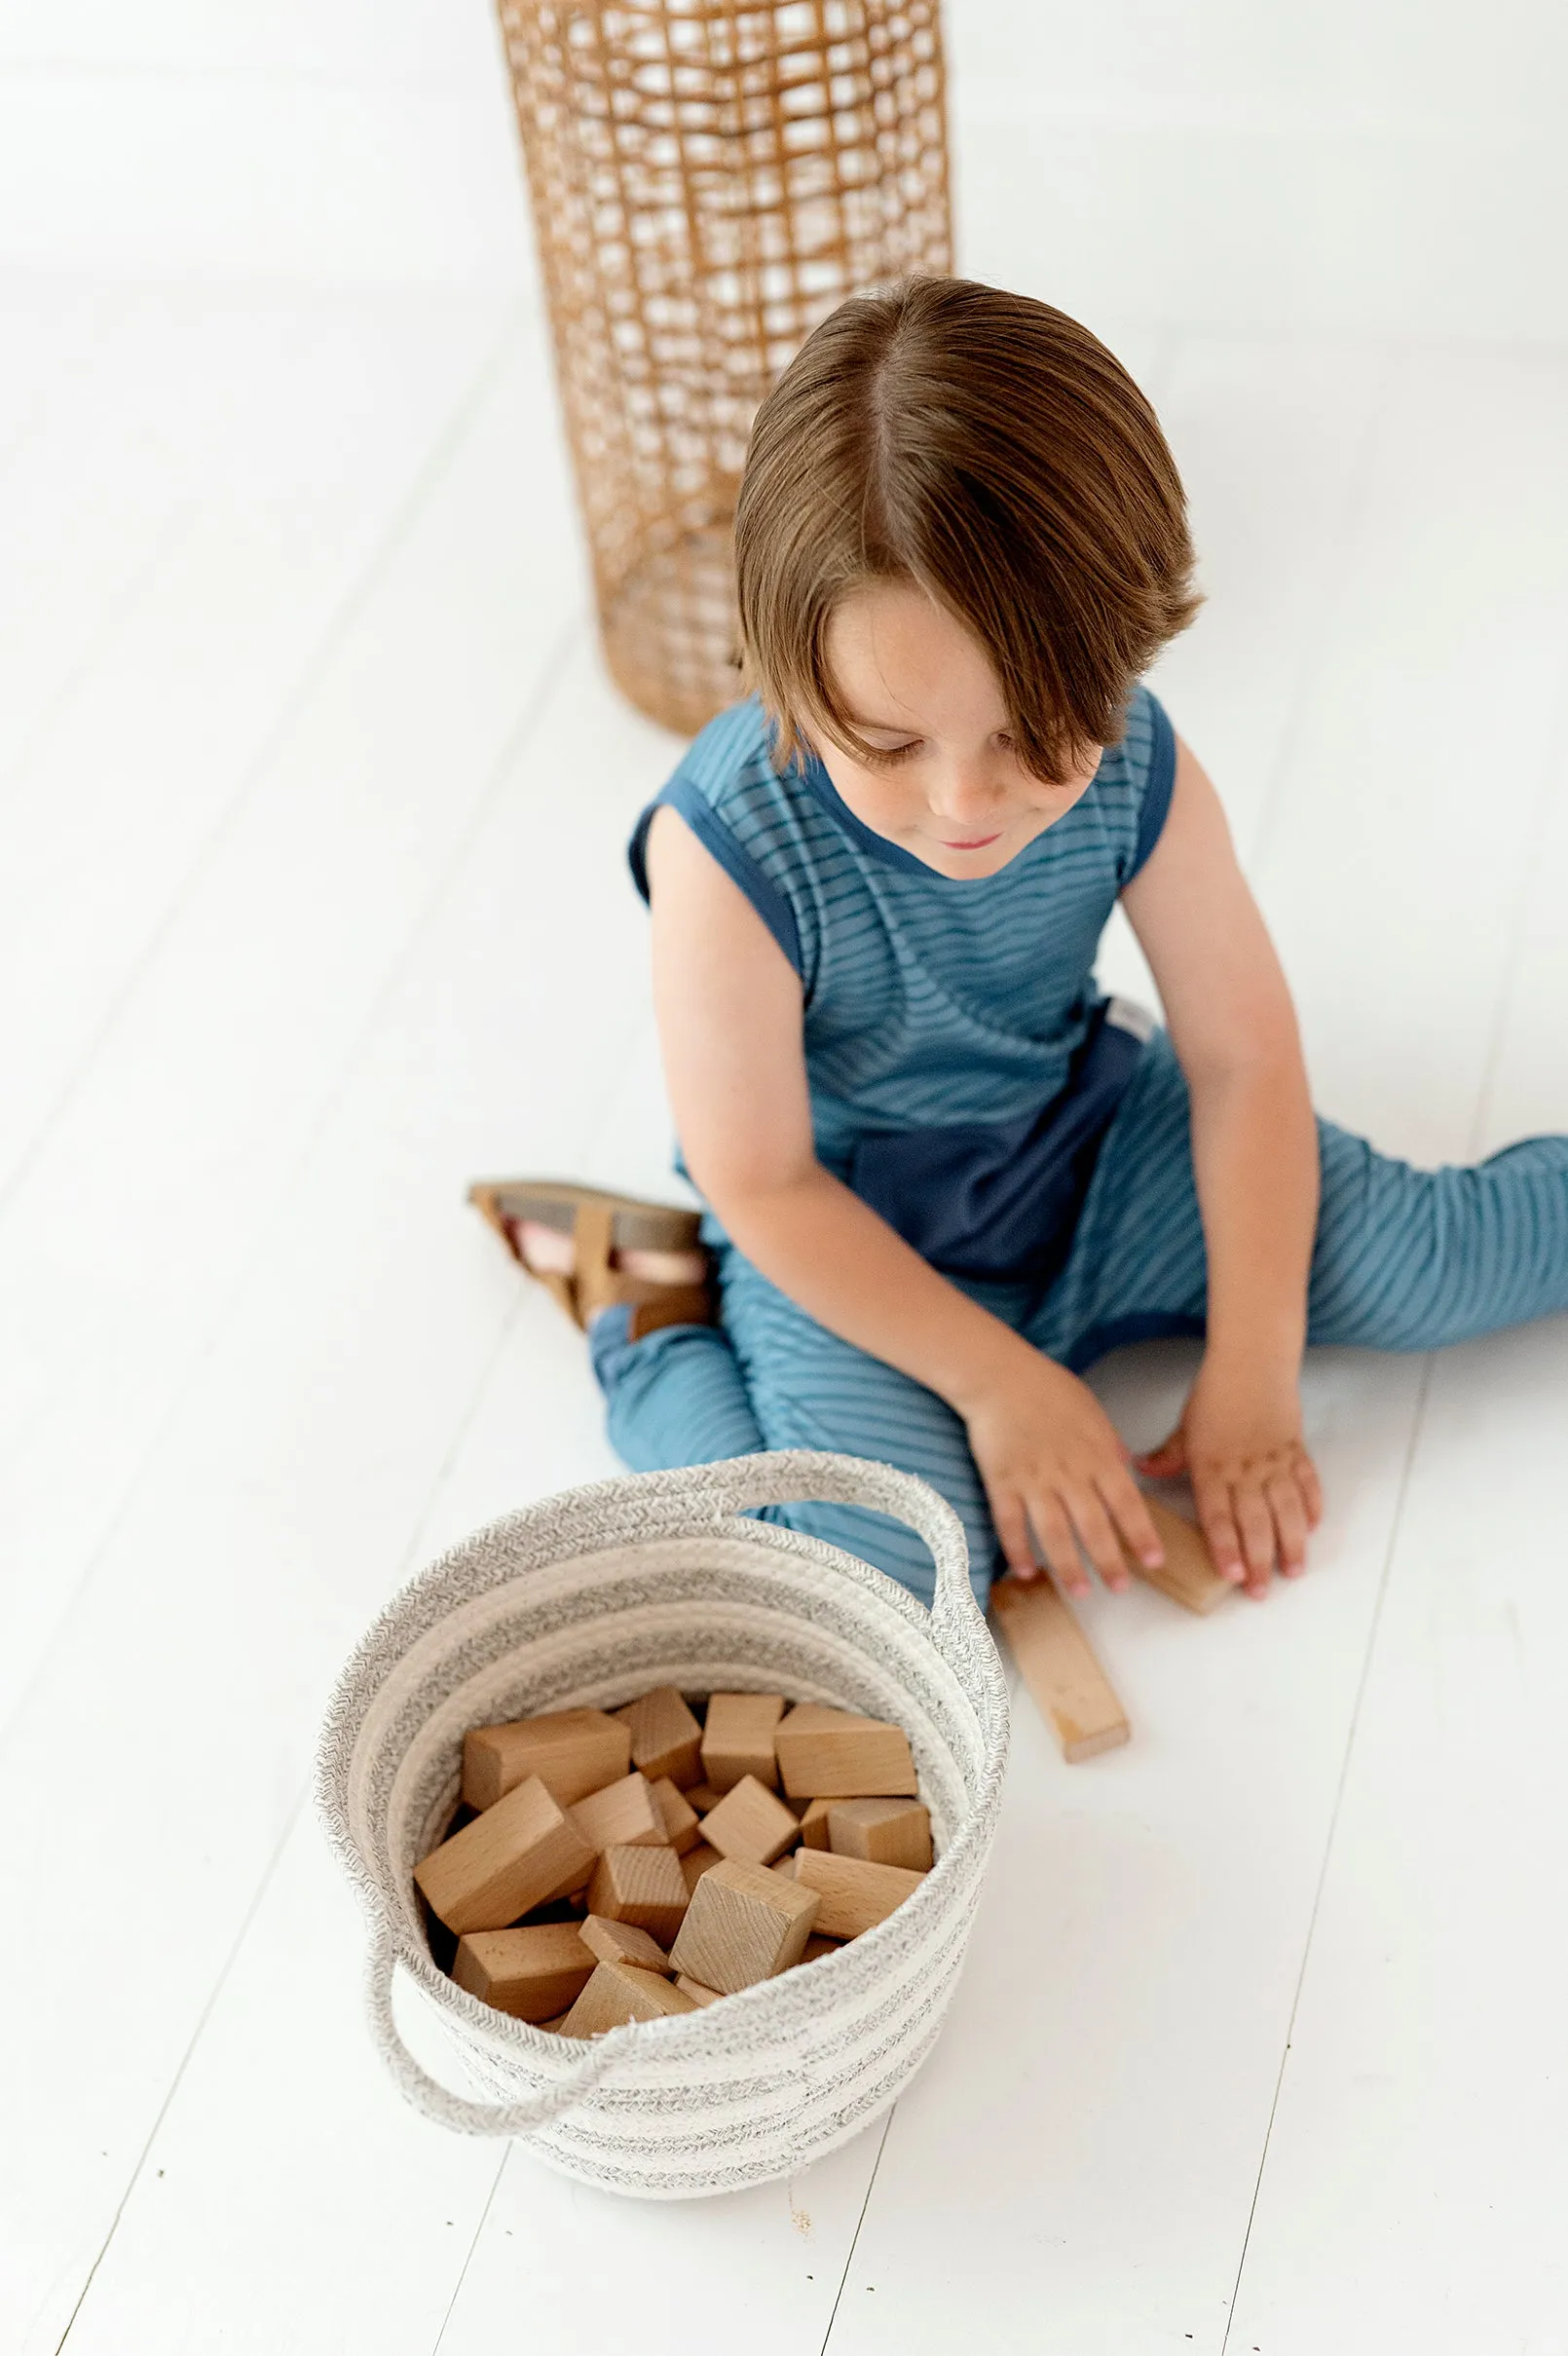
[(944, 1173)]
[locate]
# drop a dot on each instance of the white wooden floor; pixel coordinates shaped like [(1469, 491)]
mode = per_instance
[(312, 907)]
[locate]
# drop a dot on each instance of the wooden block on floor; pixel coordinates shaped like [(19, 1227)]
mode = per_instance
[(523, 1851), (814, 1824), (553, 2028), (817, 1944), (696, 1992), (618, 1992), (831, 1754), (532, 1973), (1073, 1694), (1187, 1574), (702, 1797), (855, 1895), (677, 1815), (641, 1886), (751, 1822), (743, 1924), (666, 1739), (738, 1740), (611, 1942), (697, 1861), (572, 1751), (884, 1832), (620, 1816)]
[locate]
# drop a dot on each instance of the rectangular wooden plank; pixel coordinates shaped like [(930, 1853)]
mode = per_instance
[(1058, 1665)]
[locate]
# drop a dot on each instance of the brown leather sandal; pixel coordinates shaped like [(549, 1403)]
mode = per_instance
[(600, 1225)]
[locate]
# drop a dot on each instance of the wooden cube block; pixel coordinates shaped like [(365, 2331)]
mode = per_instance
[(611, 1942), (696, 1992), (677, 1815), (521, 1853), (885, 1832), (750, 1823), (814, 1824), (817, 1945), (854, 1894), (552, 2028), (531, 1974), (737, 1740), (572, 1751), (1070, 1688), (743, 1924), (666, 1739), (620, 1816), (702, 1797), (618, 1992), (697, 1861), (831, 1754), (641, 1886), (1187, 1574)]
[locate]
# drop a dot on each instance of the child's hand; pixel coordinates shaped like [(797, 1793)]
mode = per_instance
[(1255, 1487), (1049, 1454)]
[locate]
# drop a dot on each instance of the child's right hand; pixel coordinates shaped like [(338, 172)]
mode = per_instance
[(1049, 1454)]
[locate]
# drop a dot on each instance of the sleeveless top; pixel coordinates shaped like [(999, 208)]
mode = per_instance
[(963, 1066)]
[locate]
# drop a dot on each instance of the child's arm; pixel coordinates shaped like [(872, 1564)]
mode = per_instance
[(728, 1009), (1255, 1150)]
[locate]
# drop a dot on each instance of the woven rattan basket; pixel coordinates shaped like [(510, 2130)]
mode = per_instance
[(709, 180), (586, 1600)]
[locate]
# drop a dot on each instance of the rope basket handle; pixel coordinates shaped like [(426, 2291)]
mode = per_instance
[(817, 1477), (787, 1477), (438, 2103)]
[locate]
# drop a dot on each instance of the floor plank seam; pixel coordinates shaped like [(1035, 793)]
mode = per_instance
[(1406, 1472), (1532, 865), (473, 2243), (331, 1095), (183, 2064), (854, 2239), (443, 450)]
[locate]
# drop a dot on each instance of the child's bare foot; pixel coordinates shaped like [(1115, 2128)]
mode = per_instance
[(552, 1252)]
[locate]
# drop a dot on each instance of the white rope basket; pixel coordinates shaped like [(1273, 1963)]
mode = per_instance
[(586, 1600)]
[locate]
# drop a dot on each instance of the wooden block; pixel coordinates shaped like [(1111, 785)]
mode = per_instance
[(572, 1751), (641, 1886), (613, 1942), (885, 1832), (750, 1823), (855, 1895), (738, 1740), (828, 1754), (521, 1853), (697, 1861), (666, 1739), (786, 1866), (702, 1797), (1070, 1688), (1187, 1574), (696, 1992), (817, 1945), (620, 1816), (552, 2028), (814, 1824), (743, 1924), (531, 1974), (618, 1992), (677, 1815)]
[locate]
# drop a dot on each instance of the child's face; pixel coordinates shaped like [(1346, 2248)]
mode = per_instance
[(917, 686)]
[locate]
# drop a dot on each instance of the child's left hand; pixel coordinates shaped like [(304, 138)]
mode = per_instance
[(1255, 1487)]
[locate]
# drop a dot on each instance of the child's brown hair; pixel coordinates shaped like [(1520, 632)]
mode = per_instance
[(992, 451)]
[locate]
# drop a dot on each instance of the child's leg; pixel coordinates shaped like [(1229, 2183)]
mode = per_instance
[(1405, 1258), (770, 1378)]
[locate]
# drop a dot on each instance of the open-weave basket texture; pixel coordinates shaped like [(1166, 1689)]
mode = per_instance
[(588, 1600), (709, 179)]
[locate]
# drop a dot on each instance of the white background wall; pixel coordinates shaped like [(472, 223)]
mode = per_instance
[(1391, 165)]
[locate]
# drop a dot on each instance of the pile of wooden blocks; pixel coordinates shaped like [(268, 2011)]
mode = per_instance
[(613, 1867)]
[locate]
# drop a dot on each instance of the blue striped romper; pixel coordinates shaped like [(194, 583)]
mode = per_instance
[(969, 1080)]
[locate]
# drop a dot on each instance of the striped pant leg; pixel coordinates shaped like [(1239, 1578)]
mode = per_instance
[(810, 1390), (675, 1397), (1404, 1259)]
